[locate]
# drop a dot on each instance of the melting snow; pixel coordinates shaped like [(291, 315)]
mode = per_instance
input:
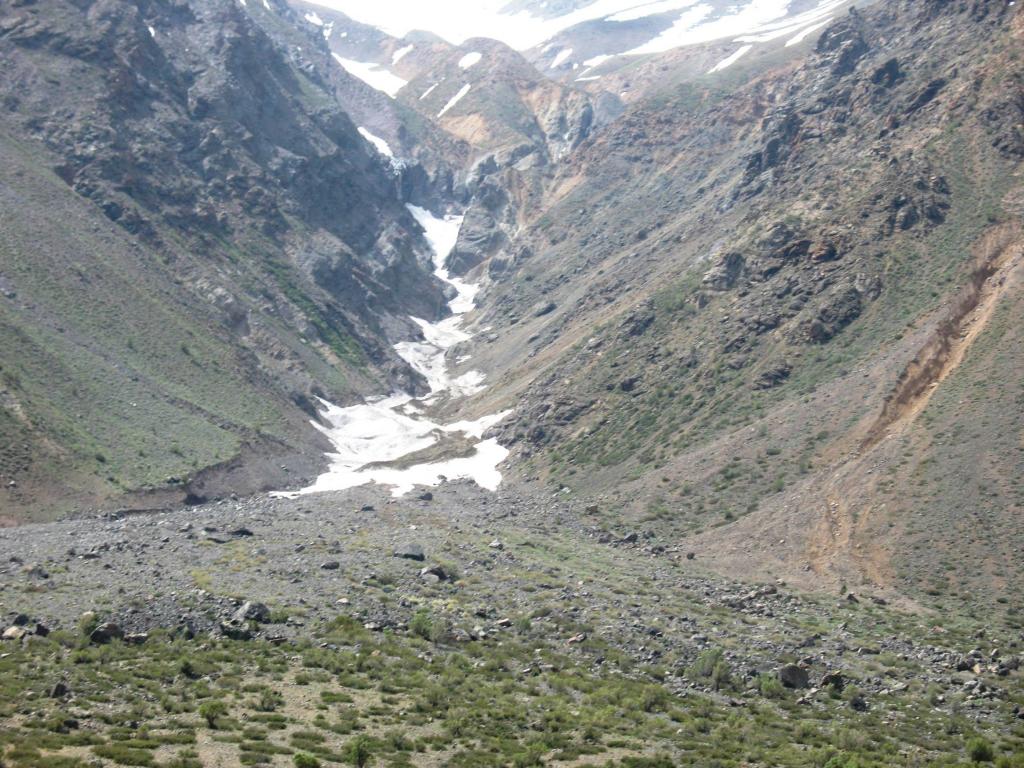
[(398, 55), (563, 54), (699, 21), (379, 144), (649, 9), (756, 21), (730, 60), (373, 75), (470, 59), (429, 91), (384, 430), (454, 99), (799, 36), (312, 18)]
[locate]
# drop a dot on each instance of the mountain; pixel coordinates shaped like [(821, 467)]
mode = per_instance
[(197, 243), (755, 312), (621, 383)]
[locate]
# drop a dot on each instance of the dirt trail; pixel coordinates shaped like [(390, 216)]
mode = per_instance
[(1001, 258), (833, 528), (834, 545)]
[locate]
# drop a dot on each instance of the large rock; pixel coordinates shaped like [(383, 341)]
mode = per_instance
[(106, 632), (410, 552), (833, 679), (793, 676), (251, 611)]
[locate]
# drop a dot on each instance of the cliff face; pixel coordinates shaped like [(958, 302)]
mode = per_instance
[(234, 190)]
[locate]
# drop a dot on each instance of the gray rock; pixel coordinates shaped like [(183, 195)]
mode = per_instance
[(106, 632), (793, 676), (410, 552), (14, 633), (833, 679), (251, 611), (59, 690), (234, 631), (434, 573)]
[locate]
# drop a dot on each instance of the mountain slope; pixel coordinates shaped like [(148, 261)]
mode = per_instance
[(722, 290), (254, 253)]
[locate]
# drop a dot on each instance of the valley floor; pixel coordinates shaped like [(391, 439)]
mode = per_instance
[(463, 628)]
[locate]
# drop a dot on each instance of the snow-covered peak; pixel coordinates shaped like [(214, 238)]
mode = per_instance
[(690, 21)]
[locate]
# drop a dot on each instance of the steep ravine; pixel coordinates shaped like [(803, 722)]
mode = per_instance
[(392, 440)]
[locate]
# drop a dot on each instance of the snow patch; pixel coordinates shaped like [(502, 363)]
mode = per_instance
[(699, 21), (313, 18), (379, 144), (386, 429), (801, 35), (398, 55), (374, 75), (731, 59), (563, 54), (650, 9), (470, 59), (152, 32), (429, 91), (454, 99)]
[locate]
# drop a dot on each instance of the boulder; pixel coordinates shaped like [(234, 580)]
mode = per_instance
[(251, 611), (59, 690), (330, 565), (410, 552), (434, 572), (833, 679), (106, 632), (14, 633), (35, 572), (793, 676), (235, 631)]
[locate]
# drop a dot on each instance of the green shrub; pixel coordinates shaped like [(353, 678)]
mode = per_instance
[(269, 701), (212, 711), (421, 624), (122, 755), (770, 687), (358, 752), (980, 751), (302, 760), (705, 663)]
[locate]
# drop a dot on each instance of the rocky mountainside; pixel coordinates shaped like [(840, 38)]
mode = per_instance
[(738, 304), (197, 242), (680, 342), (781, 313)]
